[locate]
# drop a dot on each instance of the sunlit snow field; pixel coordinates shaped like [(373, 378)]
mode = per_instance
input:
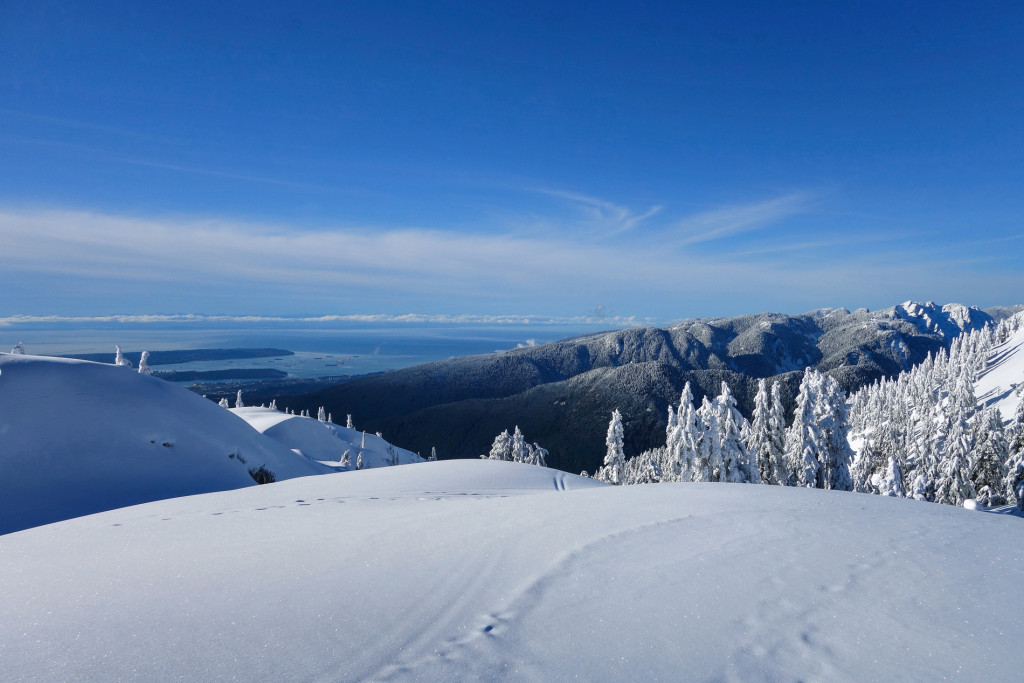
[(464, 569)]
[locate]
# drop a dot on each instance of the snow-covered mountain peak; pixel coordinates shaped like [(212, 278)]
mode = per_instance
[(947, 321)]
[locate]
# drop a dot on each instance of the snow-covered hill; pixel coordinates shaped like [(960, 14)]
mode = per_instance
[(495, 570), (324, 441), (79, 437), (1001, 384)]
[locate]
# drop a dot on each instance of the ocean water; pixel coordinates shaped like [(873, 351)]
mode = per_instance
[(319, 350)]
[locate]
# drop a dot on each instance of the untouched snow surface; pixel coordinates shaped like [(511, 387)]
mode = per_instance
[(464, 569), (1002, 383), (322, 441), (79, 437)]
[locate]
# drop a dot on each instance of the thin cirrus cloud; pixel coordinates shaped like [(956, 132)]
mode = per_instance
[(603, 217), (401, 270), (727, 221)]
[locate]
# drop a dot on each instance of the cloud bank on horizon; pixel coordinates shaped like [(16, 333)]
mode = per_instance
[(506, 161)]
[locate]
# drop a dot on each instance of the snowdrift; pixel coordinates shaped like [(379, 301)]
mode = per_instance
[(322, 441), (495, 570), (79, 437)]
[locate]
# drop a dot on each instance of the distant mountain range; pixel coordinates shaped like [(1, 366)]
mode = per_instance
[(562, 394)]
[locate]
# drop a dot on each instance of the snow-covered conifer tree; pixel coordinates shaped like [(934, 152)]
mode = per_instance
[(682, 437), (614, 459), (19, 349), (144, 364), (833, 426), (433, 454), (238, 400), (707, 454), (348, 422), (501, 448), (321, 414), (119, 358), (273, 404), (735, 465), (518, 448), (991, 453), (802, 438), (538, 455), (766, 439), (346, 459), (223, 403), (954, 485), (892, 482)]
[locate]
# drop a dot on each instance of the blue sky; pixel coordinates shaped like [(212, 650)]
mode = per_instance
[(658, 160)]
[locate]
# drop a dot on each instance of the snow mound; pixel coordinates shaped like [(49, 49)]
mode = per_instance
[(1002, 383), (484, 569), (322, 441), (79, 437)]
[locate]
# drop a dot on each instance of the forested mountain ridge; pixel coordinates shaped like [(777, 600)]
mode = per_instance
[(562, 393)]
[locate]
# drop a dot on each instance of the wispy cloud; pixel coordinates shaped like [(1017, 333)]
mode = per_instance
[(83, 261), (731, 220), (606, 217)]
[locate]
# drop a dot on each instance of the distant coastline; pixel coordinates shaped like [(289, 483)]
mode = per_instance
[(213, 375), (186, 356)]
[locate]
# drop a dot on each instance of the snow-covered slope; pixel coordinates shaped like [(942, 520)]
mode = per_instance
[(1001, 384), (323, 441), (79, 437), (486, 569)]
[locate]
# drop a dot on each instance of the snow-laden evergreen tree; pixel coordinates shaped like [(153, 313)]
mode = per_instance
[(817, 449), (359, 459), (735, 465), (518, 447), (321, 414), (346, 459), (433, 454), (708, 454), (501, 449), (273, 404), (869, 460), (921, 488), (537, 456), (613, 471), (223, 403), (644, 468), (348, 422), (238, 400), (119, 358), (676, 460), (802, 438), (954, 485), (765, 436), (19, 349), (892, 482), (1013, 483), (991, 453), (835, 454), (144, 364)]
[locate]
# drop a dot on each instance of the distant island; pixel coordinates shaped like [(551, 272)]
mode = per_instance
[(186, 356)]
